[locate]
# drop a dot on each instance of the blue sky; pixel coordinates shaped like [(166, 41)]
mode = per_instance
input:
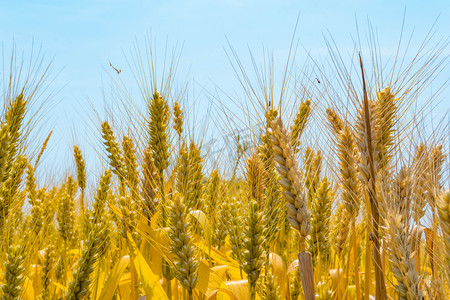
[(83, 36)]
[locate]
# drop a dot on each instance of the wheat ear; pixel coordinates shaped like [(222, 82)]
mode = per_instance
[(44, 146), (186, 257), (336, 122), (79, 286), (81, 175), (13, 274), (253, 246), (300, 121), (195, 171), (150, 183), (178, 119), (297, 206), (399, 243), (320, 221)]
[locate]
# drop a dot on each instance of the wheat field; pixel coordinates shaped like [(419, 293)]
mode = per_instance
[(335, 196)]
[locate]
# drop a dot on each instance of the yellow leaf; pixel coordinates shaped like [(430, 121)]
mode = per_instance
[(232, 272), (416, 236), (35, 277), (125, 287), (221, 271), (154, 222), (152, 256), (28, 291), (60, 287), (339, 281), (125, 279), (239, 289), (293, 266), (97, 284), (208, 280), (203, 220), (213, 295), (115, 275), (235, 273), (215, 254), (150, 282), (158, 247), (75, 252), (276, 263)]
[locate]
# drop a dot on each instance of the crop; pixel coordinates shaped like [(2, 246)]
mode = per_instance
[(332, 197)]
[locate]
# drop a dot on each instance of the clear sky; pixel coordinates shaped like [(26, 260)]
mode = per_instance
[(83, 36)]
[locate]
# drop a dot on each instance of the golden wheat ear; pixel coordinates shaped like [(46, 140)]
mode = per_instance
[(297, 206), (336, 122), (254, 176), (298, 213)]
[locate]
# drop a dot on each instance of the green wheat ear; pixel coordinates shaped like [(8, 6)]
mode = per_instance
[(313, 167), (182, 246), (101, 197), (114, 152), (271, 288), (158, 142), (300, 121), (79, 286), (178, 119), (131, 167), (34, 201), (212, 193), (47, 266), (81, 168), (195, 169), (9, 191), (13, 119), (182, 170), (13, 274), (81, 180), (253, 246), (320, 221), (158, 131), (150, 183), (235, 231), (66, 212)]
